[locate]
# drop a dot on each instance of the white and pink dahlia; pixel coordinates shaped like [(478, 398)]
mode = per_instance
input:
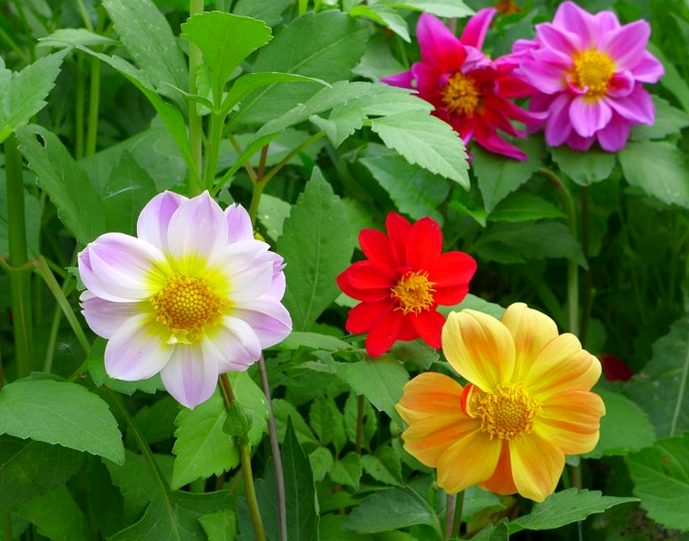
[(192, 296)]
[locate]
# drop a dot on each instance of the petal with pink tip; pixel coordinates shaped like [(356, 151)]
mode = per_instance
[(248, 270), (637, 108), (587, 117), (439, 47), (237, 344), (578, 21), (268, 318), (545, 76), (558, 39), (238, 224), (649, 69), (191, 374), (475, 31), (626, 44), (105, 317), (155, 218), (402, 80), (614, 136), (558, 126)]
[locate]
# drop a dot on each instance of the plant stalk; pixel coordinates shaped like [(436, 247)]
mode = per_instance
[(195, 121), (457, 520)]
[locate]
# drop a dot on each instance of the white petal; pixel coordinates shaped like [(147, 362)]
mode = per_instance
[(136, 350), (237, 345), (191, 374), (268, 318), (155, 218), (248, 267), (105, 317), (238, 224)]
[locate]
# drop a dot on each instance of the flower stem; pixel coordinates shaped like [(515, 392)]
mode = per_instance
[(94, 104), (7, 525), (79, 108), (450, 514), (359, 424), (457, 520), (245, 459), (20, 276), (195, 123)]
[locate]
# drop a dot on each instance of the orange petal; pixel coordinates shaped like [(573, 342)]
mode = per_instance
[(531, 330), (429, 394), (571, 421), (536, 466), (562, 365), (479, 348), (469, 461), (501, 481)]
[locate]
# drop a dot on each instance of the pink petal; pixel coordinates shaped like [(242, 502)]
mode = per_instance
[(403, 80), (581, 23), (278, 285), (614, 136), (439, 47), (558, 39), (248, 269), (558, 127), (427, 80), (137, 350), (268, 319), (475, 30), (105, 317), (607, 22), (191, 374), (237, 345), (621, 84), (238, 224), (487, 137), (577, 142), (638, 107), (545, 76), (120, 268), (588, 117), (197, 233), (649, 69), (626, 44), (155, 218)]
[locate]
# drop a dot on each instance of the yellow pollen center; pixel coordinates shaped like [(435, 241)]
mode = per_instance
[(187, 306), (592, 70), (414, 292), (506, 413), (461, 94)]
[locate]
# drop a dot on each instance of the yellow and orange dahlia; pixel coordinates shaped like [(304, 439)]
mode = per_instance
[(527, 404)]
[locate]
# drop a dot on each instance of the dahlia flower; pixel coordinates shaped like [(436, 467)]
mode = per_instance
[(527, 404), (589, 72), (402, 283), (468, 90), (192, 296)]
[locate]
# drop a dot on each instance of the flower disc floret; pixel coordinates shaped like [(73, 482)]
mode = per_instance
[(592, 73), (413, 293), (461, 94)]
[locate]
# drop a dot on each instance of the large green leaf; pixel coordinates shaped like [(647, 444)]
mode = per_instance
[(266, 10), (564, 507), (57, 516), (441, 8), (659, 168), (584, 168), (137, 483), (61, 413), (415, 191), (224, 40), (661, 479), (63, 181), (427, 141), (23, 94), (335, 44), (384, 15), (662, 387), (29, 468), (314, 245)]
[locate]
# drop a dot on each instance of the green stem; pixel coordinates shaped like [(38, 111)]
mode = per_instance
[(586, 300), (255, 200), (94, 105), (451, 500), (457, 521), (213, 146), (359, 424), (245, 459), (4, 35), (79, 107), (7, 525), (20, 278), (195, 122), (291, 155), (52, 340)]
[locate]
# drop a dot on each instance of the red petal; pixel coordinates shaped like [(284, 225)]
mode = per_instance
[(398, 230), (381, 337), (363, 317), (429, 323), (363, 281), (449, 296), (424, 243), (376, 247), (452, 269)]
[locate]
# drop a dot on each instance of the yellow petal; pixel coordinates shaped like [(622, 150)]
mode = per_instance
[(531, 330), (536, 466), (429, 394), (562, 365), (467, 462), (479, 348), (571, 421), (501, 482)]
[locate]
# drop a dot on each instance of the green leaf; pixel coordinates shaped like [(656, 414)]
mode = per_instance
[(564, 507), (314, 340), (61, 413), (63, 181), (520, 207), (441, 8), (378, 60), (175, 518), (427, 141), (414, 190), (266, 10), (29, 468), (417, 352), (156, 422), (249, 82), (351, 414), (283, 412), (380, 380), (32, 212), (146, 34), (313, 246), (335, 44), (662, 387), (347, 470), (476, 500), (321, 460), (659, 168), (386, 16), (498, 176), (23, 93), (220, 526), (661, 480), (493, 532), (584, 168), (62, 36), (327, 422), (272, 213), (391, 509), (57, 516), (224, 40), (624, 428), (135, 480), (473, 302), (384, 466)]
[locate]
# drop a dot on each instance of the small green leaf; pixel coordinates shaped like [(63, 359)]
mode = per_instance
[(61, 413), (136, 481), (564, 507), (57, 516), (351, 415), (669, 120), (321, 460), (64, 36), (313, 340), (221, 525), (238, 422), (327, 422), (386, 16), (521, 207), (441, 8), (493, 532), (249, 82), (661, 480), (384, 466), (266, 10), (584, 168), (473, 302), (347, 470)]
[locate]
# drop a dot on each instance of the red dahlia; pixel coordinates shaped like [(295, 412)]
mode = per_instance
[(401, 284)]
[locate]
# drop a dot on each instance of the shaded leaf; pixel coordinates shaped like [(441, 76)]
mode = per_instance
[(521, 207), (57, 516), (384, 466), (584, 168), (347, 470)]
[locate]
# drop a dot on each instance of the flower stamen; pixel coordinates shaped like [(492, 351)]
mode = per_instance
[(187, 306), (592, 72), (414, 292), (461, 94)]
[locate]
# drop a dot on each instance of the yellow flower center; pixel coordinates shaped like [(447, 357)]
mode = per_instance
[(461, 94), (592, 70), (187, 306), (506, 413), (414, 292)]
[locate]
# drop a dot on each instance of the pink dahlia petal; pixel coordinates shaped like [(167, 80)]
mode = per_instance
[(475, 60), (588, 117), (268, 318), (439, 47), (120, 268), (649, 69), (403, 80), (577, 142), (487, 137), (475, 31), (621, 85), (559, 127), (558, 39), (238, 344), (427, 80), (238, 224), (545, 76), (626, 44), (105, 317), (572, 18), (155, 218), (197, 232), (137, 350), (607, 22), (638, 107), (614, 136), (278, 285), (248, 268), (191, 374)]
